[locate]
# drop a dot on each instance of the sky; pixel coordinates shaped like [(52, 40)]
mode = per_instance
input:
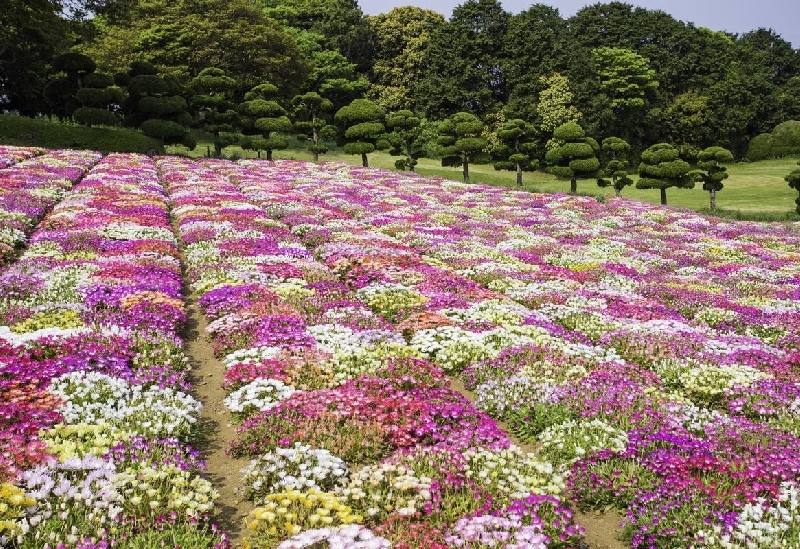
[(735, 16)]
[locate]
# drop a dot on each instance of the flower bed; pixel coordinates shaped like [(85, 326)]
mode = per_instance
[(667, 383), (30, 188), (95, 420), (360, 394)]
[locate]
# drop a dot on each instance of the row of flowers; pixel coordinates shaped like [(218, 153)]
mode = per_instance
[(11, 154), (95, 417), (665, 383), (29, 187), (345, 421)]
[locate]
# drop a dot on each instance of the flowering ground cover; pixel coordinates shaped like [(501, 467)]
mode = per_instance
[(95, 418), (10, 154), (665, 385), (647, 357), (29, 189)]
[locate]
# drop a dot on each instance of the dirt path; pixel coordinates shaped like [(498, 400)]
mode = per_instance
[(216, 426)]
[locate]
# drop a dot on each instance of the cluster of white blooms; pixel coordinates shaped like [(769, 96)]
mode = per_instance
[(382, 489), (352, 536), (138, 232), (298, 467), (504, 313), (258, 395), (26, 337), (512, 474), (452, 348), (760, 525), (251, 354), (571, 440), (95, 398), (694, 418)]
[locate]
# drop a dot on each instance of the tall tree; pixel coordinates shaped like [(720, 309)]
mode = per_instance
[(793, 179), (213, 104), (625, 78), (464, 62), (310, 123), (70, 68), (518, 140), (266, 119), (712, 172), (662, 168), (183, 37), (363, 121), (31, 34), (401, 36), (556, 103), (614, 170), (575, 157), (460, 140), (405, 138), (99, 100)]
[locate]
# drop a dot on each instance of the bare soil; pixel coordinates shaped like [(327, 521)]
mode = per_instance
[(216, 426)]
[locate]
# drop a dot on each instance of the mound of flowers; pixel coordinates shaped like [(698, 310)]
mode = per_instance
[(95, 417), (336, 403), (29, 187), (663, 381)]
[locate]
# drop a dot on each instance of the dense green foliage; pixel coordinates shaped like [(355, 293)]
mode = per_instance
[(19, 130), (794, 182), (617, 70), (662, 168), (574, 155)]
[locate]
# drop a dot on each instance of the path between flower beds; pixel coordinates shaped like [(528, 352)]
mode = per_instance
[(215, 425)]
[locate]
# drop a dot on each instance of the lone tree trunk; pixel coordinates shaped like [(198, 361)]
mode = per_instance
[(364, 162), (713, 194), (315, 142), (217, 146), (519, 175), (663, 197), (269, 155), (573, 186), (465, 163), (617, 189)]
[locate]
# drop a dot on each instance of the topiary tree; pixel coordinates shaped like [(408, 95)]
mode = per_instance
[(518, 145), (99, 99), (575, 155), (460, 140), (213, 105), (662, 168), (265, 120), (711, 171), (156, 104), (405, 138), (363, 122), (794, 182), (310, 124), (72, 68), (615, 165)]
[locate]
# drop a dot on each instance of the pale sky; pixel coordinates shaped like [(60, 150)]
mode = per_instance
[(735, 16)]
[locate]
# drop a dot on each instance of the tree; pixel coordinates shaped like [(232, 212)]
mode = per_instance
[(310, 124), (183, 37), (31, 34), (156, 104), (60, 92), (99, 100), (794, 182), (266, 119), (556, 106), (213, 104), (405, 138), (661, 168), (615, 165), (625, 78), (575, 158), (401, 36), (517, 138), (460, 140), (464, 62), (711, 171), (363, 122)]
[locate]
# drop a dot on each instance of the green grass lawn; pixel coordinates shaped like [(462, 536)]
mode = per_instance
[(754, 190)]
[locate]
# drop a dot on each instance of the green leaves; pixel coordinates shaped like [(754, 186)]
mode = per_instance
[(661, 168), (574, 157)]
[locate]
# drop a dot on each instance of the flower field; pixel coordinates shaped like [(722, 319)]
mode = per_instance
[(410, 362)]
